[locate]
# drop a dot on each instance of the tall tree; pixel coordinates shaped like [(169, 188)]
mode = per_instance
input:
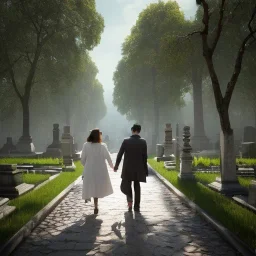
[(210, 40), (142, 50), (28, 29)]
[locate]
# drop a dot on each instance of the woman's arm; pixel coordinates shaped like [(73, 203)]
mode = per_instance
[(107, 156), (83, 155)]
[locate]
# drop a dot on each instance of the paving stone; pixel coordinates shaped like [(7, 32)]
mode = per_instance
[(165, 226)]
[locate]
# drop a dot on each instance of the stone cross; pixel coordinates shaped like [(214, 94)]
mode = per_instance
[(186, 157)]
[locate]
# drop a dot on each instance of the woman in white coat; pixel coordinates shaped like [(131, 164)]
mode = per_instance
[(96, 181)]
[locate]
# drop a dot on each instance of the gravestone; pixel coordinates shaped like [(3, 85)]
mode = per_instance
[(11, 182), (54, 150), (248, 144), (168, 141), (228, 183), (8, 147), (252, 193), (25, 145), (67, 142), (5, 209), (186, 157), (177, 147), (167, 147), (249, 134)]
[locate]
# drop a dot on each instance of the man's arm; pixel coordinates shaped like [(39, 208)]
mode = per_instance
[(119, 156), (145, 157)]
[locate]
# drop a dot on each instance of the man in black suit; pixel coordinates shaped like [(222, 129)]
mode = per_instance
[(134, 167)]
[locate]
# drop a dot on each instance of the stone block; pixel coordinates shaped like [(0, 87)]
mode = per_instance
[(5, 209), (252, 193), (228, 188), (11, 182)]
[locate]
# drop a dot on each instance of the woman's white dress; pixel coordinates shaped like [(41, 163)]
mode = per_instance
[(96, 181)]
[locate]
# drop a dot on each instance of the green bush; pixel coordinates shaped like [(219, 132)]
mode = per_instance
[(206, 162), (237, 219)]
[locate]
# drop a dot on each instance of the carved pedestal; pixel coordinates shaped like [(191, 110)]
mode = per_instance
[(54, 150), (11, 182), (186, 157)]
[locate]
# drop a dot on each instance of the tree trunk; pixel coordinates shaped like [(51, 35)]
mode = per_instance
[(26, 118), (155, 112), (199, 141), (198, 103)]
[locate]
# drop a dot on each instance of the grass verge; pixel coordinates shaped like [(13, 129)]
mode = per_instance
[(237, 219), (31, 203), (206, 162), (207, 178), (32, 161), (34, 178)]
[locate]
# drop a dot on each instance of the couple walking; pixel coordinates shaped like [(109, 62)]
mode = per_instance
[(96, 182)]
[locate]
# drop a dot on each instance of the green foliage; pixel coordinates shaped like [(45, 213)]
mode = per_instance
[(141, 70), (31, 203), (237, 219), (43, 46), (32, 161), (207, 178), (206, 162), (35, 178)]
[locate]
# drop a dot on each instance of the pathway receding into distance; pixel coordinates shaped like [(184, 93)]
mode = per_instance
[(164, 227)]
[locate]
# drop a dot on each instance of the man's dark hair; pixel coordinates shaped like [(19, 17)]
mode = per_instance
[(136, 128)]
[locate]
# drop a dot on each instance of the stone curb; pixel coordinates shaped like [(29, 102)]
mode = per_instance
[(25, 231), (224, 232)]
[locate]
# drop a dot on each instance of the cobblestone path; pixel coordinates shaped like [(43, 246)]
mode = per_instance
[(165, 227)]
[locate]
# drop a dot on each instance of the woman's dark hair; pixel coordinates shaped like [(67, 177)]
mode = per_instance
[(94, 136)]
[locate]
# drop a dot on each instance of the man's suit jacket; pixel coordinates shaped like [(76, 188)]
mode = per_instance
[(135, 159)]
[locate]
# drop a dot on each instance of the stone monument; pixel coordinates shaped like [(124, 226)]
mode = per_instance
[(54, 150), (11, 182), (67, 142), (8, 147), (252, 193), (5, 209), (228, 183), (177, 148), (186, 157), (165, 151), (25, 145)]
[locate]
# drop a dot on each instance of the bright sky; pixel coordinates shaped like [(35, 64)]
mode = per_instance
[(120, 16)]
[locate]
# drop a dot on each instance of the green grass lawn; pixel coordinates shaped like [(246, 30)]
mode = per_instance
[(35, 178), (202, 161), (207, 178), (32, 161), (31, 203), (237, 219)]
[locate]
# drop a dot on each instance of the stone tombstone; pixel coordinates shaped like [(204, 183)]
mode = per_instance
[(252, 193), (249, 134), (8, 147), (228, 183), (26, 145), (186, 157), (177, 147), (67, 142), (54, 150), (168, 140), (159, 150), (11, 182)]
